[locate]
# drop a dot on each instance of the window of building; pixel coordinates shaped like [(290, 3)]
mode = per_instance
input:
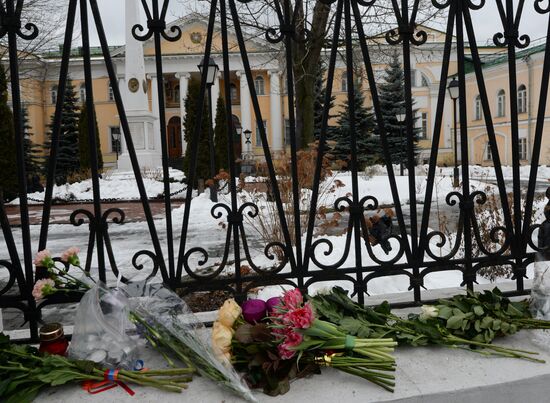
[(168, 90), (177, 93), (82, 93), (501, 103), (234, 94), (259, 85), (258, 136), (413, 78), (53, 94), (424, 128), (477, 107), (523, 149), (115, 140), (425, 81), (111, 94), (344, 82), (287, 132), (522, 99), (488, 153)]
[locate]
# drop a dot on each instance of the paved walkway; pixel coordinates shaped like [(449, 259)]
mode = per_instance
[(61, 212)]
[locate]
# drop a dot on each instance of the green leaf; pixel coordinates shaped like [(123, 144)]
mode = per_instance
[(445, 312), (455, 322), (486, 322), (478, 310)]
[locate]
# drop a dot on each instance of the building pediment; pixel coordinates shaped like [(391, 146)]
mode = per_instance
[(193, 39)]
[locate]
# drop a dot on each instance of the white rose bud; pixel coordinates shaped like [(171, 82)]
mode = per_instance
[(229, 312), (429, 311), (221, 338)]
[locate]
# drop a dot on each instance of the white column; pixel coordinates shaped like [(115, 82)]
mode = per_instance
[(134, 66), (155, 109), (276, 110), (184, 85), (215, 96), (246, 113)]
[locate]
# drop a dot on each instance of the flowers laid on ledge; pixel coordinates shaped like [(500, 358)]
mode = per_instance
[(269, 342), (294, 336)]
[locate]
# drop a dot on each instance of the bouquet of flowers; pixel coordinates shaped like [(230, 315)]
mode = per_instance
[(25, 372), (281, 339), (464, 321), (158, 315)]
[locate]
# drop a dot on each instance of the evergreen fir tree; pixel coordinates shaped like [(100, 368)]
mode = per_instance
[(8, 161), (392, 101), (83, 141), (367, 143), (319, 102), (191, 113), (67, 153), (220, 137), (33, 154)]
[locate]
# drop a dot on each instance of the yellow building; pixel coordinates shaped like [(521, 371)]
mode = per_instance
[(135, 63)]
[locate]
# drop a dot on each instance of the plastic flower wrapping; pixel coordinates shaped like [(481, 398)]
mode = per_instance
[(167, 321)]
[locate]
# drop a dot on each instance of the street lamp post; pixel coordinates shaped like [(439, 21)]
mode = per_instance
[(117, 138), (211, 71), (454, 93), (401, 116), (247, 154)]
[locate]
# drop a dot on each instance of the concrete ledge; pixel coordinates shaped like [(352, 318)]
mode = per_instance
[(424, 375)]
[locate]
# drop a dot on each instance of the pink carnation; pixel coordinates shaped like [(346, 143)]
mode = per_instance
[(300, 318), (71, 256), (43, 259), (293, 339), (284, 352), (293, 299), (43, 288)]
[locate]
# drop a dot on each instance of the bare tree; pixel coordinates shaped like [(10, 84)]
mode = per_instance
[(314, 20), (49, 17)]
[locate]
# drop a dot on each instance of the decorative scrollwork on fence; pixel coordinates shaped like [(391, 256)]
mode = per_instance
[(156, 24), (10, 21)]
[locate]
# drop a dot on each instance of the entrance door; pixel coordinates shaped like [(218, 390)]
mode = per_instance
[(174, 137)]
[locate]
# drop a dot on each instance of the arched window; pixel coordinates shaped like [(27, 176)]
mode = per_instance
[(82, 93), (110, 93), (344, 82), (177, 93), (53, 94), (501, 103), (259, 85), (425, 81), (234, 94), (522, 99), (477, 108)]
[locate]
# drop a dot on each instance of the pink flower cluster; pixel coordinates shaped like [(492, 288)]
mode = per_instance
[(291, 315), (43, 288)]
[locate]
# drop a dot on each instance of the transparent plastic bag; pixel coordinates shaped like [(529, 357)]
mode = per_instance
[(540, 290), (162, 314), (101, 329)]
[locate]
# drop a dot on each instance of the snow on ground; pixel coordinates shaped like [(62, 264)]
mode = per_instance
[(210, 233), (114, 185)]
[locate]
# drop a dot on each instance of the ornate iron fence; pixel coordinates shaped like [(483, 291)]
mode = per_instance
[(302, 256)]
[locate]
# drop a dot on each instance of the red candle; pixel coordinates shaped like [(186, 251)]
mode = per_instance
[(53, 340)]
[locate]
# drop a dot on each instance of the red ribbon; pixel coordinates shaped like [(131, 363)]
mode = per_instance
[(110, 381)]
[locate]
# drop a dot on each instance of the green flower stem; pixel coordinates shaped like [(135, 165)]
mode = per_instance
[(508, 352)]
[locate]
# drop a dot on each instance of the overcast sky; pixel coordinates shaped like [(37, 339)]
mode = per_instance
[(486, 21)]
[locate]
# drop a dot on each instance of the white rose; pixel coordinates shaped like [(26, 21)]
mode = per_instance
[(229, 312), (429, 311)]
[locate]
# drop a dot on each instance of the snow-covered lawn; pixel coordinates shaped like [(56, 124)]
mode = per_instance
[(210, 233)]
